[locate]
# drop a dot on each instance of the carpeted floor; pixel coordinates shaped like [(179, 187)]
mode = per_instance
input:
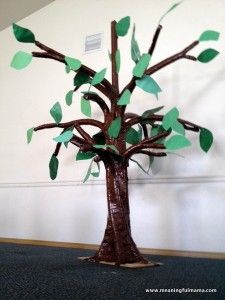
[(30, 272)]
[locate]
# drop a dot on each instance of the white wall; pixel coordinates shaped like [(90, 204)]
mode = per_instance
[(181, 206), (11, 11)]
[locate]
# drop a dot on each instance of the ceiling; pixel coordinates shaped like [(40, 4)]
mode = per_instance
[(15, 10)]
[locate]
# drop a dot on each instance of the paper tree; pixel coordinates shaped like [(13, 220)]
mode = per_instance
[(122, 134)]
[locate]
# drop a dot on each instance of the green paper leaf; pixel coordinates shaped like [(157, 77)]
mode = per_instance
[(105, 146), (53, 167), (178, 127), (125, 98), (170, 121), (170, 9), (64, 137), (88, 172), (114, 128), (149, 85), (205, 139), (150, 122), (56, 112), (122, 26), (30, 134), (21, 60), (81, 78), (96, 174), (67, 69), (135, 51), (151, 160), (69, 97), (207, 55), (157, 129), (113, 147), (170, 118), (73, 63), (98, 78), (88, 92), (142, 65), (85, 107), (139, 132), (140, 166), (150, 112), (84, 155), (209, 35), (118, 61), (177, 142), (132, 136), (22, 34), (100, 146), (99, 138)]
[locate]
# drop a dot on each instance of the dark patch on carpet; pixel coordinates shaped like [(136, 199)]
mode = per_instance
[(34, 272)]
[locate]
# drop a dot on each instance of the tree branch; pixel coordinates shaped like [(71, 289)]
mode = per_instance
[(155, 39), (100, 87), (173, 58), (99, 101), (187, 125), (148, 143), (105, 87), (57, 149), (79, 142), (182, 54), (114, 48), (150, 51), (139, 147), (156, 137), (77, 125), (84, 134), (130, 115), (54, 125), (145, 130), (89, 122), (150, 153)]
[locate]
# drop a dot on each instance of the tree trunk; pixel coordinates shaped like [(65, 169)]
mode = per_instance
[(117, 245)]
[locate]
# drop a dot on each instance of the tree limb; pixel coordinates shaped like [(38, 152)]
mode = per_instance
[(147, 143), (83, 133), (99, 101), (139, 147), (155, 39), (105, 87), (131, 85), (57, 149), (150, 153), (129, 115), (187, 125), (114, 48), (173, 58), (54, 125), (182, 54), (79, 142), (77, 125), (156, 137), (89, 122)]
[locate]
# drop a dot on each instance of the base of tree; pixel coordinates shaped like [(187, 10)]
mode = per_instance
[(126, 265)]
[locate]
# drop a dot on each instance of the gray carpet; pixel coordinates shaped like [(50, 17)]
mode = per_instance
[(30, 272)]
